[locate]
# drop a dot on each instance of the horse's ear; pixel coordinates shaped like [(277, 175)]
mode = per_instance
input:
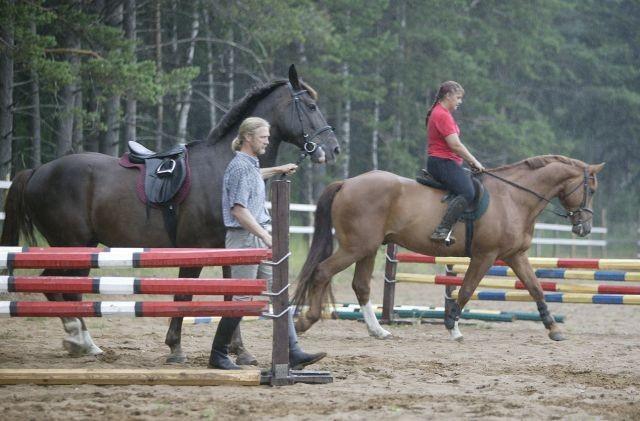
[(293, 78), (595, 169)]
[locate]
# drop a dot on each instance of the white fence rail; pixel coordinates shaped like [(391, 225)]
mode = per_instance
[(539, 241)]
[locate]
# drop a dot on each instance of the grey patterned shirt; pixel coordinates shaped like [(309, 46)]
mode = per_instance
[(243, 185)]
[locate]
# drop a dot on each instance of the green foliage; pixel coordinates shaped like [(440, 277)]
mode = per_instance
[(541, 77), (178, 79)]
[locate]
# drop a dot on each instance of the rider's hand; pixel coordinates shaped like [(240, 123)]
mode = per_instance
[(477, 166), (288, 169)]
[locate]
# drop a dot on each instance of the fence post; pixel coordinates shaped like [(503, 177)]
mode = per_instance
[(388, 297), (280, 235), (606, 233)]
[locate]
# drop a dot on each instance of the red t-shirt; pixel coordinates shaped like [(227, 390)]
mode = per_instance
[(440, 125)]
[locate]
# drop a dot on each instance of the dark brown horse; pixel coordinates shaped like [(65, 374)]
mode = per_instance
[(379, 207), (86, 199)]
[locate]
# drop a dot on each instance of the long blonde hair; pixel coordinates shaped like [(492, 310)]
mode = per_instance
[(248, 127)]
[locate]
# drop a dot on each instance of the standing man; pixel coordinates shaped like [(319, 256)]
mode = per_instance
[(245, 216)]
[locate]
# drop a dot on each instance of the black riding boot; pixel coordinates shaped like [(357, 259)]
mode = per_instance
[(457, 205), (299, 359), (219, 357), (236, 347)]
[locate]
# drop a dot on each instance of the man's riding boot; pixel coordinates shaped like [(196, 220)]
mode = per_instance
[(219, 357), (236, 347), (299, 359), (457, 205)]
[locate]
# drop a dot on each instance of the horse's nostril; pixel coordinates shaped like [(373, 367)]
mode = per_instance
[(336, 150)]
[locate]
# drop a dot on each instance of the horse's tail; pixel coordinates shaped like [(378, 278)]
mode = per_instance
[(17, 219), (321, 245)]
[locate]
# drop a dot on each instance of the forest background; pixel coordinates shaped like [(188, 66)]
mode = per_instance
[(541, 77)]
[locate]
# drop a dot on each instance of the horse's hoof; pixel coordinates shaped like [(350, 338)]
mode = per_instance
[(381, 334), (80, 349), (95, 350), (246, 358), (90, 346), (557, 336), (176, 359), (455, 335)]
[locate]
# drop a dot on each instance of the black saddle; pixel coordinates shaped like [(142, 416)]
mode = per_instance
[(478, 188), (165, 172)]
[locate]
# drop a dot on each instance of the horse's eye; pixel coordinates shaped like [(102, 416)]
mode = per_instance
[(313, 107)]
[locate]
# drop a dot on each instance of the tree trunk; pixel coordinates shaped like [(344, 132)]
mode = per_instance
[(375, 136), (213, 111), (36, 122), (91, 142), (6, 98), (111, 139), (397, 126), (346, 125), (77, 142), (160, 109), (231, 72), (185, 106), (66, 99), (35, 157), (131, 105)]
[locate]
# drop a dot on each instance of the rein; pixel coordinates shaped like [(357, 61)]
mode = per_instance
[(566, 213)]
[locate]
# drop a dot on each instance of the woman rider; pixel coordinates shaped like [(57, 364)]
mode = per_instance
[(445, 154)]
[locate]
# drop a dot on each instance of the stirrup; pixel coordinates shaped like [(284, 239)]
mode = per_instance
[(438, 237), (450, 240)]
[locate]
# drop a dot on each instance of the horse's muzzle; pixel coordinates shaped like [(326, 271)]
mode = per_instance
[(318, 156), (581, 229)]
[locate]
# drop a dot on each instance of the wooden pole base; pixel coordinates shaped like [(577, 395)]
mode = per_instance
[(172, 377)]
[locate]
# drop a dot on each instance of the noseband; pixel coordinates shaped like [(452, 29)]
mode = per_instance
[(309, 146)]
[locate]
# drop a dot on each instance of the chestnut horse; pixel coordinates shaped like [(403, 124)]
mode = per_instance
[(379, 207), (88, 198)]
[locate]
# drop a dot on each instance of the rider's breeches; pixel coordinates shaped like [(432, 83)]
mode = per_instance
[(452, 175)]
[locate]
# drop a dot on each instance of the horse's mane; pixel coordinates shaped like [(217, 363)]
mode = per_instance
[(240, 108), (536, 162)]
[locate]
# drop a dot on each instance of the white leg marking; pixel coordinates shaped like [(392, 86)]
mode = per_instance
[(90, 346), (455, 333), (373, 325), (78, 342)]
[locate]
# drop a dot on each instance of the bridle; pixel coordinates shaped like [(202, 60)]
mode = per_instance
[(583, 205), (309, 147), (567, 213)]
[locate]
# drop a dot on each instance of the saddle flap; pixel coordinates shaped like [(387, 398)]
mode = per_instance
[(160, 184)]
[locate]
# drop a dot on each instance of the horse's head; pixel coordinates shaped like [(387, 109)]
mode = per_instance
[(301, 122), (576, 197)]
